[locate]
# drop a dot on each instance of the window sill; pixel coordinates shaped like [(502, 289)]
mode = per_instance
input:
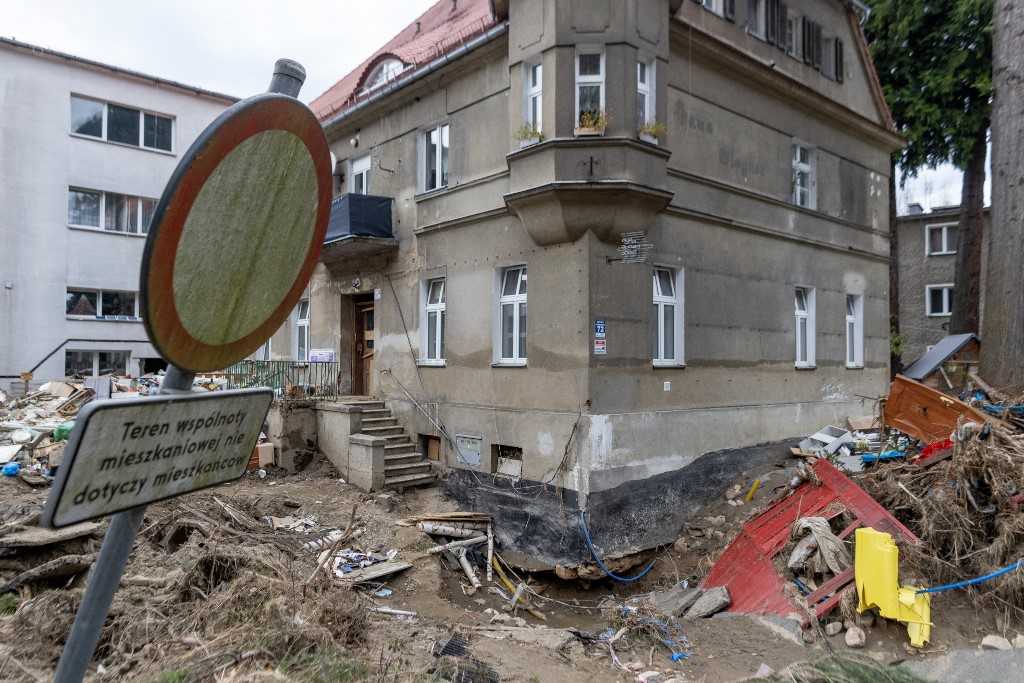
[(90, 228), (509, 364), (103, 319), (662, 364), (858, 366), (427, 194), (942, 253), (123, 144), (585, 132), (805, 366), (940, 315), (431, 363)]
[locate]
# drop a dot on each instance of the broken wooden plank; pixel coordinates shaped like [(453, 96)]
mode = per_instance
[(59, 568), (38, 537), (374, 571)]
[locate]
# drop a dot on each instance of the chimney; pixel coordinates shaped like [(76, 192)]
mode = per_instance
[(915, 209)]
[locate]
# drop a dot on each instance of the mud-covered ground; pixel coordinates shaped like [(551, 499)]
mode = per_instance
[(206, 597)]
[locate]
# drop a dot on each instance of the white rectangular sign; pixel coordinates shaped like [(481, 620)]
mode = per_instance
[(123, 454), (321, 356)]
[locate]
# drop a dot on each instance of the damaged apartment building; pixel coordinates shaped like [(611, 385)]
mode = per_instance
[(588, 251)]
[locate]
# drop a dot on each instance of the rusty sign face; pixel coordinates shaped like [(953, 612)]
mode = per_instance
[(237, 233), (126, 453)]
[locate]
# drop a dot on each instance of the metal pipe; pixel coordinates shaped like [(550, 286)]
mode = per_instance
[(288, 78), (456, 544)]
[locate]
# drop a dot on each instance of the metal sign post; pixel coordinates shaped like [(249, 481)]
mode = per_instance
[(258, 179)]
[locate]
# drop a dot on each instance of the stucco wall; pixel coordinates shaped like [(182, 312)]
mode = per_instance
[(39, 159)]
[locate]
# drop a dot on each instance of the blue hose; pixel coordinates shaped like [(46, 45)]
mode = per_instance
[(970, 582), (593, 552)]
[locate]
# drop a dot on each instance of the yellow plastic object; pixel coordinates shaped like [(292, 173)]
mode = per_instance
[(876, 573)]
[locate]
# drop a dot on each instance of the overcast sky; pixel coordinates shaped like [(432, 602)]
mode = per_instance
[(224, 45), (230, 46)]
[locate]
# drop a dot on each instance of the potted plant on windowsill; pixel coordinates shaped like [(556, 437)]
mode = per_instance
[(591, 123), (527, 135), (652, 132)]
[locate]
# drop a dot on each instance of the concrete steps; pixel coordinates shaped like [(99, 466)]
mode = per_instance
[(404, 464)]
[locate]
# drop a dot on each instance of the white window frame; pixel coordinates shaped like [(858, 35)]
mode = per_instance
[(854, 331), (947, 299), (533, 91), (359, 166), (810, 168), (141, 228), (648, 90), (518, 357), (142, 125), (944, 227), (302, 330), (440, 310), (100, 316), (438, 155), (792, 37), (810, 315), (760, 22), (588, 79), (716, 6), (660, 300)]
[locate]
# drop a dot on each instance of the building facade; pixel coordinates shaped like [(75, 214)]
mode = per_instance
[(926, 259), (85, 151), (627, 238)]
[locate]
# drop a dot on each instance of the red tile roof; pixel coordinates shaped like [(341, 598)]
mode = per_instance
[(445, 26)]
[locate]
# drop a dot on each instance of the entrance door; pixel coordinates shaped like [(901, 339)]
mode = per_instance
[(362, 367)]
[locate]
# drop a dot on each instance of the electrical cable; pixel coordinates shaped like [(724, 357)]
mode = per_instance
[(600, 563), (971, 582)]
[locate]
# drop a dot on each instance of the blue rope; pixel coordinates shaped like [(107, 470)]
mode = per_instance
[(600, 563), (970, 582)]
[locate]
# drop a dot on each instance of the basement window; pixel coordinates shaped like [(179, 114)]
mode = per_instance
[(507, 461), (95, 363), (804, 326)]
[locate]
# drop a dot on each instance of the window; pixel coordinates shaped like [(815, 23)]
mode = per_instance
[(589, 87), (939, 300), (93, 363), (434, 315), (435, 158), (941, 239), (854, 331), (109, 211), (810, 42), (386, 71), (359, 175), (792, 38), (804, 308), (714, 5), (645, 111), (124, 125), (512, 316), (803, 176), (535, 96), (666, 322), (302, 330), (756, 19), (101, 304)]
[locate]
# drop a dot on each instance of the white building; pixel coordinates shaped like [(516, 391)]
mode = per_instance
[(85, 151)]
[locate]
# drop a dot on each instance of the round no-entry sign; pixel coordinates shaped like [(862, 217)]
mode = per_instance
[(236, 234)]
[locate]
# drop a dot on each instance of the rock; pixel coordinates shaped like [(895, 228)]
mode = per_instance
[(855, 637), (635, 666), (764, 671), (1018, 642), (675, 601), (648, 676), (808, 635), (994, 642), (833, 628), (719, 534), (711, 601), (716, 521)]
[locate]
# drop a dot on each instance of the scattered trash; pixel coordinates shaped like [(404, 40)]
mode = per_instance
[(995, 642), (11, 469), (384, 593), (876, 573), (925, 413)]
